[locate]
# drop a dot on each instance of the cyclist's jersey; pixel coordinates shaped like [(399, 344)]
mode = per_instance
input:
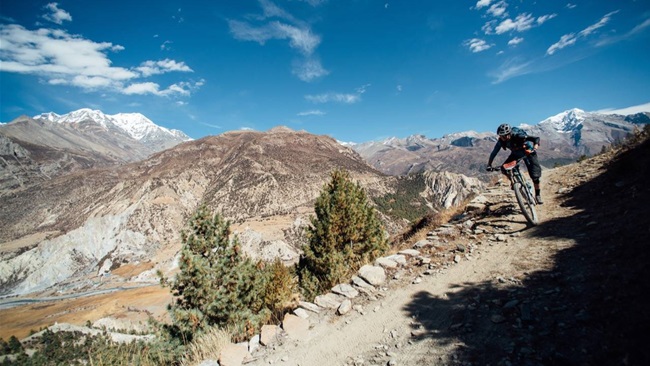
[(516, 142)]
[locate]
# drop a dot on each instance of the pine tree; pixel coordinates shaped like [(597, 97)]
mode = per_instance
[(344, 235), (217, 285)]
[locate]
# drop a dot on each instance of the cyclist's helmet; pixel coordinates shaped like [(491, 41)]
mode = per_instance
[(504, 129)]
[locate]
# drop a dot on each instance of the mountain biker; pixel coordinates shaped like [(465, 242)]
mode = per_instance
[(521, 146)]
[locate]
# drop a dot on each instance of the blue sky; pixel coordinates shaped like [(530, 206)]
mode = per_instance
[(357, 70)]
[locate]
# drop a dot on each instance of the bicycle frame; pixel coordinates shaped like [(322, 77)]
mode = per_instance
[(523, 191)]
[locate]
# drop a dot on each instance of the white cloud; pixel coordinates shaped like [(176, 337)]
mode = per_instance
[(149, 68), (510, 69), (565, 41), (544, 18), (57, 54), (515, 41), (571, 6), (309, 69), (639, 28), (342, 98), (477, 45), (300, 39), (297, 32), (65, 59), (571, 38), (314, 112), (182, 89), (91, 82), (142, 88), (362, 89), (498, 10), (273, 11), (210, 125), (488, 28), (522, 23), (634, 31), (56, 15), (601, 23), (334, 97), (629, 110), (483, 3), (315, 2), (166, 46)]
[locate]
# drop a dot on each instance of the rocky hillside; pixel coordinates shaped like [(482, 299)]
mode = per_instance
[(37, 149), (486, 289), (565, 137), (63, 233)]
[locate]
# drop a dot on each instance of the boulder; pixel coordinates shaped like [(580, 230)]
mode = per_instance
[(372, 274), (345, 290), (233, 354), (295, 327)]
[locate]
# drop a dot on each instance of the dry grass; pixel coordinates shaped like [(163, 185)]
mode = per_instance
[(420, 229), (129, 270), (206, 346), (19, 320)]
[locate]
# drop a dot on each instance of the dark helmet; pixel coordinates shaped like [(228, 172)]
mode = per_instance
[(504, 129)]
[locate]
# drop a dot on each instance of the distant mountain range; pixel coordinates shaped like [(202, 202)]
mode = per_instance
[(39, 148), (564, 137), (135, 125)]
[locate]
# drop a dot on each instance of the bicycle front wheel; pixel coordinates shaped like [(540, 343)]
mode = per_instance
[(526, 203)]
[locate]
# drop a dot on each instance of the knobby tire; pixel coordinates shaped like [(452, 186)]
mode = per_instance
[(527, 206)]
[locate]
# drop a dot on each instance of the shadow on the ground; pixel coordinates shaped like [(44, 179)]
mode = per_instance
[(591, 308)]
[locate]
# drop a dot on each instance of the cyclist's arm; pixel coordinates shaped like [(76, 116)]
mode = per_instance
[(534, 139), (494, 152)]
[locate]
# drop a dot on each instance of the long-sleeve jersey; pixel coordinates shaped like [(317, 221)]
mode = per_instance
[(516, 142)]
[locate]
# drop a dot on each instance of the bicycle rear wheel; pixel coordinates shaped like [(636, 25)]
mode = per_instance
[(526, 203)]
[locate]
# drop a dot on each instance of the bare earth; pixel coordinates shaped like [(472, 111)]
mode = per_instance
[(572, 290)]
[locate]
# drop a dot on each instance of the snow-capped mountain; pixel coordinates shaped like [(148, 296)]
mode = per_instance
[(567, 121), (135, 125), (565, 136), (49, 144)]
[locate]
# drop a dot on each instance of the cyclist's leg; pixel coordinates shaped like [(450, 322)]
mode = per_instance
[(535, 173)]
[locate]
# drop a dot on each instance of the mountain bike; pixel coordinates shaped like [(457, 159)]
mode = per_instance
[(523, 190)]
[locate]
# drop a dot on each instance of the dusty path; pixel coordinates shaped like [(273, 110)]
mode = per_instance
[(564, 292), (415, 323)]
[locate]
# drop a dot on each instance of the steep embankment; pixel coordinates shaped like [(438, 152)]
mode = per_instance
[(570, 291)]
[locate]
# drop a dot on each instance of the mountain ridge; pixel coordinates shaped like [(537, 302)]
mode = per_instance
[(565, 137), (37, 149), (135, 125)]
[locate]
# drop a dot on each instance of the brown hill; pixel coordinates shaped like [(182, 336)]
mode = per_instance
[(69, 233), (37, 150)]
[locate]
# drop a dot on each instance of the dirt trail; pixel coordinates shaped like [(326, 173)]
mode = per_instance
[(517, 296)]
